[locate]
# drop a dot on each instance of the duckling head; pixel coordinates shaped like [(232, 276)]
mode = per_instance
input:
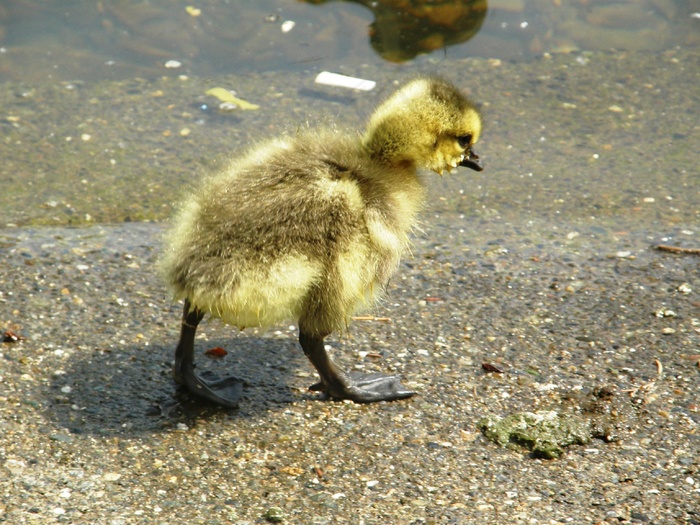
[(427, 124)]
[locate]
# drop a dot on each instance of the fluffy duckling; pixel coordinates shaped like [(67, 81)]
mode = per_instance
[(311, 227)]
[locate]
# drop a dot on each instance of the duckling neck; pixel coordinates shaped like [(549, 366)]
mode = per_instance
[(387, 157)]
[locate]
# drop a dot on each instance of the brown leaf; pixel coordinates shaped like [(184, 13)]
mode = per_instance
[(217, 351), (491, 368)]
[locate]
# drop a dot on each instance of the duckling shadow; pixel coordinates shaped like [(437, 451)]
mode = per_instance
[(131, 390)]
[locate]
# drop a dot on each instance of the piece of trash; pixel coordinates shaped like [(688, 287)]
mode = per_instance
[(224, 95), (288, 25), (334, 79), (193, 11), (173, 64), (11, 337)]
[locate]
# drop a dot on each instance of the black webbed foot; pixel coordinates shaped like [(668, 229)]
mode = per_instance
[(366, 388), (222, 391), (337, 384), (226, 391)]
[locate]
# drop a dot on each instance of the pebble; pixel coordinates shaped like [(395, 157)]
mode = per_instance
[(274, 515), (665, 312), (685, 288)]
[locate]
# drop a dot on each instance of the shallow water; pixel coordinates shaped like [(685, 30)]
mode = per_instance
[(96, 129), (87, 40)]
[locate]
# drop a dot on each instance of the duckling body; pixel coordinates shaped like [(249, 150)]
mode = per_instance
[(310, 228)]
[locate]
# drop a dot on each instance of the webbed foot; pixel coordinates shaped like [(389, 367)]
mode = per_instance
[(222, 391), (338, 384), (366, 388), (226, 391)]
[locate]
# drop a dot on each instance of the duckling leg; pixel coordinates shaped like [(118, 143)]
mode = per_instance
[(338, 384), (226, 391)]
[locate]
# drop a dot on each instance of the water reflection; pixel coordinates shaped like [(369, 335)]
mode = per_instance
[(88, 40), (403, 29)]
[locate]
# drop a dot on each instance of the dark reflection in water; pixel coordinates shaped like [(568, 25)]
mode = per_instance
[(403, 29), (69, 40)]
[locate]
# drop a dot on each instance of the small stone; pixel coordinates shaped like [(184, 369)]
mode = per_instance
[(685, 288), (227, 107), (274, 515), (173, 64), (61, 438), (111, 476), (15, 466), (665, 312), (668, 331)]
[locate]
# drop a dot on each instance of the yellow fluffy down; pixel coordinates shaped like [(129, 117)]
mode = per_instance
[(310, 227), (263, 296)]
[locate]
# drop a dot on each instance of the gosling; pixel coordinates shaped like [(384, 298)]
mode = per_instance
[(310, 228)]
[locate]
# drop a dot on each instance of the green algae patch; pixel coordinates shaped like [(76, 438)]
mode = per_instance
[(545, 433)]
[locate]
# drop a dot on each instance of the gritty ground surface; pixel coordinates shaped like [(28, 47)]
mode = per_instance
[(541, 267), (92, 433)]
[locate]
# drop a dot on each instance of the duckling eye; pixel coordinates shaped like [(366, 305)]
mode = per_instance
[(465, 140)]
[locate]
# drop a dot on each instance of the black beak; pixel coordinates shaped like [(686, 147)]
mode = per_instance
[(472, 161)]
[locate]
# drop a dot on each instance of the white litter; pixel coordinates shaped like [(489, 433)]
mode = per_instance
[(334, 79)]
